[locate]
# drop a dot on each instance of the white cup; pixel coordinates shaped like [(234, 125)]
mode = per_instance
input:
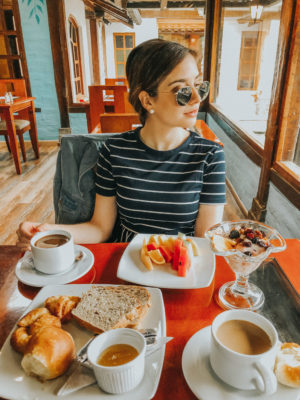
[(239, 370), (54, 260), (121, 378)]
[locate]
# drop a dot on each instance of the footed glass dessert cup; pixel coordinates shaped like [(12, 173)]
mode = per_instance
[(245, 245)]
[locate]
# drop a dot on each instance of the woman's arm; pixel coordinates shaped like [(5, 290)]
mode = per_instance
[(208, 215), (97, 230)]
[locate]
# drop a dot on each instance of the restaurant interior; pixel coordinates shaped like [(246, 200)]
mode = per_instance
[(63, 86)]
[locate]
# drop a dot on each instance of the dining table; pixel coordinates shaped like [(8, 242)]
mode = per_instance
[(187, 310), (24, 106)]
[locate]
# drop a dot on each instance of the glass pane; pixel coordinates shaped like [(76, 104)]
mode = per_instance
[(4, 70), (127, 53), (9, 20), (119, 42), (245, 70), (13, 45), (128, 42), (119, 56), (3, 51), (189, 32), (120, 70), (17, 69)]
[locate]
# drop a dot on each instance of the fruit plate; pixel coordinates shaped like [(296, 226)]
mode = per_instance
[(200, 275), (15, 385)]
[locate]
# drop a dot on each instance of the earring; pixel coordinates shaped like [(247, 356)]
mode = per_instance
[(151, 111)]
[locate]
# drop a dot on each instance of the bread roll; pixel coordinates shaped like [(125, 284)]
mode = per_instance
[(49, 353), (287, 365)]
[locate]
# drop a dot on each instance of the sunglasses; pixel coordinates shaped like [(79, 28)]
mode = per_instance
[(184, 95)]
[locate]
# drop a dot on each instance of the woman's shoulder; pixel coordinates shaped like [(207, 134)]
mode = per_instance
[(209, 145), (121, 139)]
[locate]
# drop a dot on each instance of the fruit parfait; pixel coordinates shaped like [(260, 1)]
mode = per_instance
[(245, 245)]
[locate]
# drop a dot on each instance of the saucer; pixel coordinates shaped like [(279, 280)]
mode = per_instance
[(205, 384), (26, 273)]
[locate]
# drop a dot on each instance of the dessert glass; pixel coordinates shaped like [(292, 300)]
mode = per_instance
[(242, 294)]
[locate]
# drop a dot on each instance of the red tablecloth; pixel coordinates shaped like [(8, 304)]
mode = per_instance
[(187, 311)]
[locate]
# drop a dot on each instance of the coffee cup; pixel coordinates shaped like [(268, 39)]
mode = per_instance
[(52, 251), (118, 378), (243, 350)]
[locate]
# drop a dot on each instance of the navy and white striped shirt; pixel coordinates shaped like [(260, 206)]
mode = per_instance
[(160, 191)]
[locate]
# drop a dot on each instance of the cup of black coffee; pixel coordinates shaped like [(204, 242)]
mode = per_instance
[(52, 251)]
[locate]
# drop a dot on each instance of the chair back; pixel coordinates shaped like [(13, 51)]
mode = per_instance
[(16, 86), (115, 82), (205, 132), (118, 122), (98, 103)]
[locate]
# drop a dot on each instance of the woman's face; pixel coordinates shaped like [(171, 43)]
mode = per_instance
[(167, 111)]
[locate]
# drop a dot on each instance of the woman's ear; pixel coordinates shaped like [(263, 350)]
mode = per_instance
[(145, 100)]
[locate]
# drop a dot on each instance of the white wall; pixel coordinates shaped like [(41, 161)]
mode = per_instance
[(76, 9), (147, 30)]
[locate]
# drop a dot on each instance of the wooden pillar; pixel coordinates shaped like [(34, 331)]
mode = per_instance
[(56, 19), (95, 51), (259, 204), (104, 49)]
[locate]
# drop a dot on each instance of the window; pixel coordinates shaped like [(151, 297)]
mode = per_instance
[(77, 69), (123, 44), (249, 60), (12, 64), (288, 151), (245, 68)]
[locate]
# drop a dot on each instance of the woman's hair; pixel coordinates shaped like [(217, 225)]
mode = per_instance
[(148, 64)]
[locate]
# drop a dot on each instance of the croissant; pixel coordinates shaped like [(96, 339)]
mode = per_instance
[(61, 306), (39, 319)]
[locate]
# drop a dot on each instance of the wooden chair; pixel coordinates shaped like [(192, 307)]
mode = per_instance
[(17, 88), (115, 82), (97, 105), (118, 122)]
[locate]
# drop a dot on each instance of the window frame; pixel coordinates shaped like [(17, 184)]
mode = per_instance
[(76, 77), (123, 34), (271, 171)]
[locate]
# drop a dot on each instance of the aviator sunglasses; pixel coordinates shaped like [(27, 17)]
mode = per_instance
[(184, 94)]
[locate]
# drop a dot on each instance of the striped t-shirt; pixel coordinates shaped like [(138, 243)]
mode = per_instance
[(160, 191)]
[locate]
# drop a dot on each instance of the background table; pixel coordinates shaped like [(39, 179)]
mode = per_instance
[(7, 110)]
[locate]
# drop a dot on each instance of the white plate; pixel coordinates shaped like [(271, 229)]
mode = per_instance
[(27, 274), (205, 384), (200, 275), (14, 384)]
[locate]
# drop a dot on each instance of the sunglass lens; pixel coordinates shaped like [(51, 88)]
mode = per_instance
[(184, 96), (204, 90)]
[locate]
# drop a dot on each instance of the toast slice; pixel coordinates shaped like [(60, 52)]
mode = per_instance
[(103, 308)]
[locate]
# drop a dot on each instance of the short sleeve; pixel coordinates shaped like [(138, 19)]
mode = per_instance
[(214, 187), (105, 183)]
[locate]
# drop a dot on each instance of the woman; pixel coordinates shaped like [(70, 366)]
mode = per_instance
[(160, 178)]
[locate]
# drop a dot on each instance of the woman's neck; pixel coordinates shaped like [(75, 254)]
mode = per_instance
[(163, 139)]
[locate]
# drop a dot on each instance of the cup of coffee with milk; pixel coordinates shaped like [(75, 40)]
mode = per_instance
[(52, 251), (243, 350)]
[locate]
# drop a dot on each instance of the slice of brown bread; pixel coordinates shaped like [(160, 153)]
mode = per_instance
[(109, 307)]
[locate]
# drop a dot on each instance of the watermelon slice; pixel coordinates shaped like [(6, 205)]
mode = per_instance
[(184, 261), (177, 246)]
